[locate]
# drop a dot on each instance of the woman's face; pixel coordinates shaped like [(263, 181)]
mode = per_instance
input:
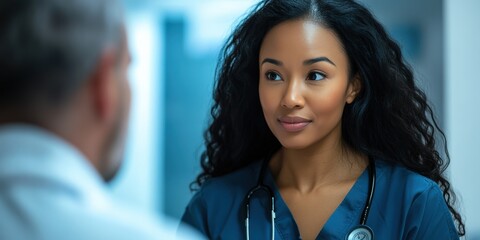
[(304, 83)]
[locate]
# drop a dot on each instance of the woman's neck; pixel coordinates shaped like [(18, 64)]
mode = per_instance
[(324, 164)]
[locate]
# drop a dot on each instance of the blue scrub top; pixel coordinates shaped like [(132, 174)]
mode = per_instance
[(405, 205)]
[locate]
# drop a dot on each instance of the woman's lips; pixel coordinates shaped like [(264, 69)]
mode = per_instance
[(293, 124)]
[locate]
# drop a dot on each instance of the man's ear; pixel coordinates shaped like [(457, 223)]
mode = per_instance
[(102, 86), (354, 88)]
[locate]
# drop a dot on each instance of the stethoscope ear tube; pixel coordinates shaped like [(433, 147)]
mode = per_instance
[(371, 190), (260, 186), (362, 231), (272, 208), (273, 216)]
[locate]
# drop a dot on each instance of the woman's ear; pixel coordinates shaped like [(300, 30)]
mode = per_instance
[(354, 88)]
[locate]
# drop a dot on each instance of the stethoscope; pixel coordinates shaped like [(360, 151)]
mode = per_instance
[(359, 232)]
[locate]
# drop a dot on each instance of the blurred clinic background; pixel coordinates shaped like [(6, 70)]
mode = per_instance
[(175, 45)]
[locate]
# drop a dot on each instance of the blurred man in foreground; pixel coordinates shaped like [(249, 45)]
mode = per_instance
[(64, 105)]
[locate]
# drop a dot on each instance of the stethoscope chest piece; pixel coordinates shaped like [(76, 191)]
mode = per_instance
[(360, 232)]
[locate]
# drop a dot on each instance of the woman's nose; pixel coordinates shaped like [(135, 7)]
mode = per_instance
[(293, 96)]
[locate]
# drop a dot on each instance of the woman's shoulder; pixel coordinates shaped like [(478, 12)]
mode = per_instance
[(406, 182), (418, 199), (232, 184), (401, 177), (220, 199)]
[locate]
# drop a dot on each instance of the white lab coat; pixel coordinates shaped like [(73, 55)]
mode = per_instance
[(48, 190)]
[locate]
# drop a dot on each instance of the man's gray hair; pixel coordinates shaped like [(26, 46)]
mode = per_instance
[(48, 47)]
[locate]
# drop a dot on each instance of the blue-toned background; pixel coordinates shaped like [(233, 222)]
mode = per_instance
[(175, 45)]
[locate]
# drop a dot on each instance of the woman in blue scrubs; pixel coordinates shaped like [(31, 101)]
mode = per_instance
[(319, 132)]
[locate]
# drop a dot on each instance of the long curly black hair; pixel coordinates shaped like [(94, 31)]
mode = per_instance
[(390, 119)]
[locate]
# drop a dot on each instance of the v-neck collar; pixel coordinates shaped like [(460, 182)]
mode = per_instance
[(345, 216)]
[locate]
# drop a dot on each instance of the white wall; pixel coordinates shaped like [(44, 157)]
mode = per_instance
[(139, 182), (462, 61)]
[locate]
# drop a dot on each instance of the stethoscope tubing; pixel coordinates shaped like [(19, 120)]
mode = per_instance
[(272, 207), (261, 186), (372, 175)]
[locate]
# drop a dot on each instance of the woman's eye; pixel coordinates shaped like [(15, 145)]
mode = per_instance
[(273, 76), (315, 76)]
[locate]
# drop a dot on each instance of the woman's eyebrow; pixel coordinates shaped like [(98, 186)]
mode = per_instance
[(306, 62), (318, 59), (272, 61)]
